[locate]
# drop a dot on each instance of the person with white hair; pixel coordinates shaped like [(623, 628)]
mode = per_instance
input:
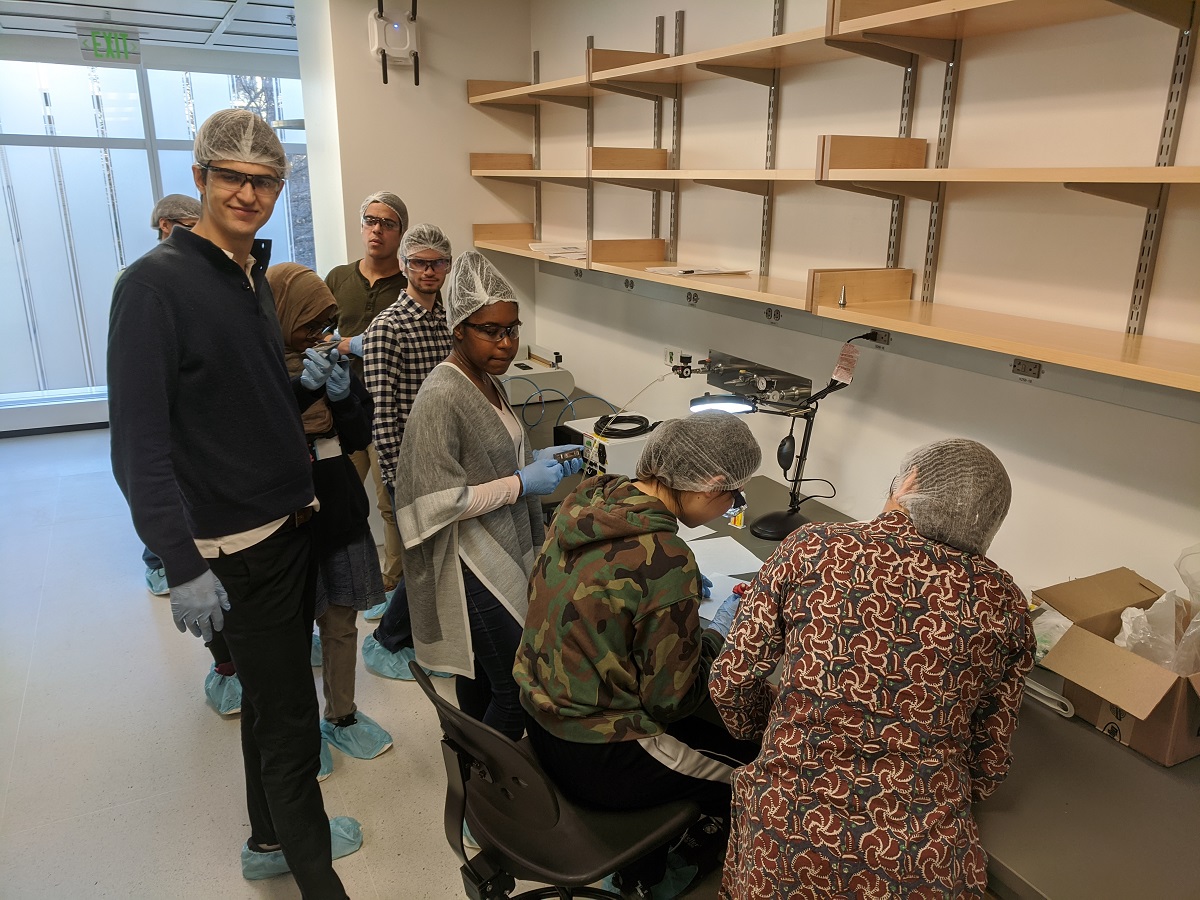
[(904, 651), (364, 289), (614, 659), (209, 450), (468, 502)]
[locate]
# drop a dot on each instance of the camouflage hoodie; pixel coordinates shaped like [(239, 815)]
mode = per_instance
[(612, 648)]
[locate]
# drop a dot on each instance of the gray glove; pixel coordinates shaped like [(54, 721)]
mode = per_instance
[(316, 370), (338, 385), (197, 605), (723, 620)]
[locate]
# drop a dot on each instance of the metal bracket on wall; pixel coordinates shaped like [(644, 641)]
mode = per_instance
[(1176, 13), (656, 196), (937, 208), (1181, 76), (591, 142), (768, 211), (537, 149), (676, 131), (907, 105)]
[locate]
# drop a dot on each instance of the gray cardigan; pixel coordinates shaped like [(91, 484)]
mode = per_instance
[(454, 439)]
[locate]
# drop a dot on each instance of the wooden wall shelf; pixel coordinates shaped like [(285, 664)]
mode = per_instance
[(522, 94), (952, 19), (1155, 360)]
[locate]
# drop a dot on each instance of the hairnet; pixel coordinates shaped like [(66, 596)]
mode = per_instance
[(960, 496), (175, 206), (239, 135), (425, 237), (387, 198), (474, 284), (706, 451)]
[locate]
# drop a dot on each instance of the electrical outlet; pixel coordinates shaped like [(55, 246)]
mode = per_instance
[(670, 356)]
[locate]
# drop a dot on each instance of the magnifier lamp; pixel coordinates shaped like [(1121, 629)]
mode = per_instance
[(753, 387)]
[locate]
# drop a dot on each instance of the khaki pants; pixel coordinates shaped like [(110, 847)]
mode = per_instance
[(393, 562), (339, 654)]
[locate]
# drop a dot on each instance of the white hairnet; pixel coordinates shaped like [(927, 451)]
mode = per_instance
[(960, 496), (239, 135), (474, 283), (175, 206), (425, 237), (387, 198), (706, 451)]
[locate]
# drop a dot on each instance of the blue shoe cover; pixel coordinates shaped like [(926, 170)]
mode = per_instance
[(223, 692), (314, 656), (391, 665), (326, 762), (365, 739), (156, 582), (345, 836), (469, 841), (377, 611)]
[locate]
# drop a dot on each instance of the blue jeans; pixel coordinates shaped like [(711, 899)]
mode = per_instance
[(492, 696), (151, 561), (394, 631)]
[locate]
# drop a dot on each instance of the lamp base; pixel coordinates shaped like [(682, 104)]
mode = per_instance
[(775, 526)]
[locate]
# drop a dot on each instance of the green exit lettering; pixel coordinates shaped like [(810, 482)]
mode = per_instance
[(110, 44)]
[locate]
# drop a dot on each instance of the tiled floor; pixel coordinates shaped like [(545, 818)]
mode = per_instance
[(116, 780)]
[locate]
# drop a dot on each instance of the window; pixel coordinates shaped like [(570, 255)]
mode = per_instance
[(80, 170)]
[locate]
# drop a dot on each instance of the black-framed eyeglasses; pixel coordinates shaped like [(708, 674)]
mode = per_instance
[(495, 333), (232, 180), (429, 265), (385, 224)]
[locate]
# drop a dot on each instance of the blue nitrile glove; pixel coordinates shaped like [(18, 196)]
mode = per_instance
[(197, 605), (316, 370), (570, 466), (338, 385), (705, 587), (356, 346), (723, 620), (540, 477)]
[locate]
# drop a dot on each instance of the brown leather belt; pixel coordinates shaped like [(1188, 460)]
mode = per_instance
[(296, 519)]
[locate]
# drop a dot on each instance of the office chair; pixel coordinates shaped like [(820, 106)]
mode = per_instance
[(525, 828)]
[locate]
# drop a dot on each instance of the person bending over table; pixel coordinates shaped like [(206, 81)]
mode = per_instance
[(904, 652), (468, 502), (614, 661)]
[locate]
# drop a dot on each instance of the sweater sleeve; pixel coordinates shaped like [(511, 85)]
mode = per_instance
[(143, 366), (352, 417)]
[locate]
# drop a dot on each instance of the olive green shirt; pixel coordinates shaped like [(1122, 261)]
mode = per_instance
[(359, 302)]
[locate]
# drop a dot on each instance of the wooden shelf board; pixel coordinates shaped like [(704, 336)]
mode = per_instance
[(973, 18), (521, 248), (665, 176), (572, 177), (793, 49), (1085, 175), (777, 291), (1155, 360), (576, 86)]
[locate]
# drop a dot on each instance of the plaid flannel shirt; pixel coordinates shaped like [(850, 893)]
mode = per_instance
[(400, 348)]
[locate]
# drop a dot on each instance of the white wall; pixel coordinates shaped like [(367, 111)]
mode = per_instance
[(365, 136), (1096, 485)]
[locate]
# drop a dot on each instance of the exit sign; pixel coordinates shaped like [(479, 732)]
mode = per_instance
[(108, 43)]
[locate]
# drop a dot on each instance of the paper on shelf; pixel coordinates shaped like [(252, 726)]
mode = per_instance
[(724, 556), (696, 270), (565, 251), (694, 534)]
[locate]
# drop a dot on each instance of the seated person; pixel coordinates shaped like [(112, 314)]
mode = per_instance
[(613, 660), (904, 653)]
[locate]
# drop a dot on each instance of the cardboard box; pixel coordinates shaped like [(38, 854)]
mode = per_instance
[(1137, 702)]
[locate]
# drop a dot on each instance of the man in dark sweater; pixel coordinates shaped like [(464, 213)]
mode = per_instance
[(209, 450)]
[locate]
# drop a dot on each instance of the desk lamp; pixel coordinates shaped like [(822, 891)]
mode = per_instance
[(752, 387)]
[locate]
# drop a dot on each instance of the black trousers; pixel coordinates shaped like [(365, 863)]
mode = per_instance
[(268, 630)]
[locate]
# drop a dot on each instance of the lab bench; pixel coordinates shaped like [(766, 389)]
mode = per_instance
[(1079, 817)]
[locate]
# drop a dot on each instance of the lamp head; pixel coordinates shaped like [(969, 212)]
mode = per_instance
[(730, 403)]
